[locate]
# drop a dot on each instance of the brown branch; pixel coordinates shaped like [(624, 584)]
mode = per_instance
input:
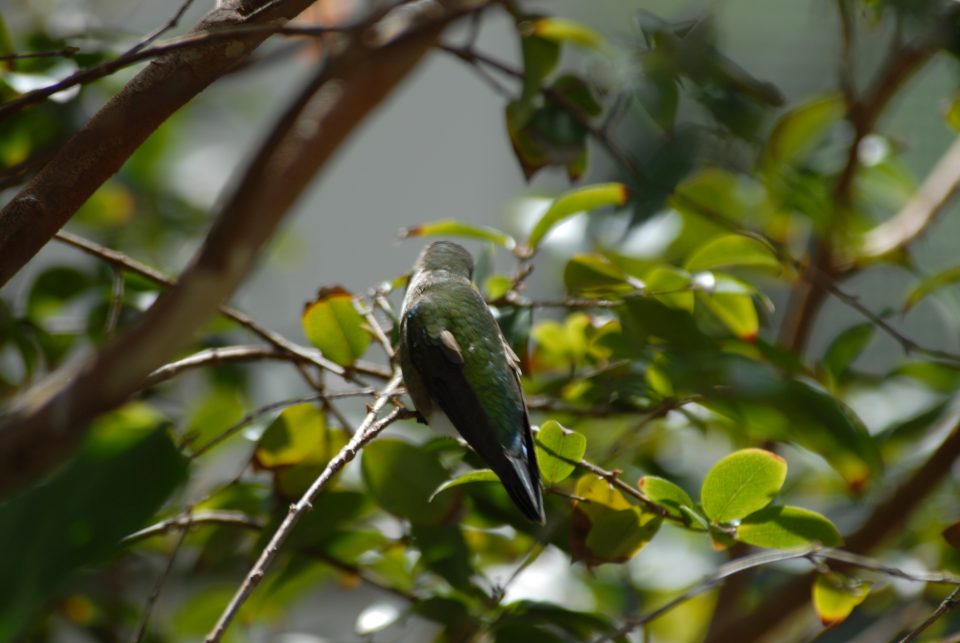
[(49, 420), (64, 52), (295, 351), (368, 430), (98, 150), (948, 604), (158, 585), (216, 357)]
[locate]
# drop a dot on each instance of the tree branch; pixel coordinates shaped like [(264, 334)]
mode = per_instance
[(189, 519), (49, 420), (368, 430)]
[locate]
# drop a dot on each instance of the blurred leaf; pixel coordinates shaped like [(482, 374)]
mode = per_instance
[(561, 30), (454, 228), (452, 613), (402, 478), (930, 285), (952, 115), (558, 449), (576, 91), (732, 250), (581, 625), (846, 347), (122, 473), (787, 527), (593, 274), (540, 58), (835, 596), (742, 483), (53, 287), (211, 415), (111, 206), (654, 318), (333, 325), (574, 202), (497, 286), (6, 45), (666, 494), (732, 305), (444, 552), (952, 535), (800, 130), (605, 527), (672, 286), (471, 477), (296, 433)]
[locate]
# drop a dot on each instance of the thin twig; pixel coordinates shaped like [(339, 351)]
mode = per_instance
[(158, 586), (190, 518), (217, 356), (375, 328), (116, 303), (64, 52), (269, 408), (949, 604), (129, 264), (367, 431)]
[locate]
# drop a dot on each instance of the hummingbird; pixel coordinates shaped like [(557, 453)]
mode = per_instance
[(460, 371)]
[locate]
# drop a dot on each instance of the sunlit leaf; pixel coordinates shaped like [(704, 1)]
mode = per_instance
[(497, 286), (930, 285), (454, 228), (730, 251), (593, 274), (574, 202), (561, 30), (836, 596), (666, 494), (672, 286), (296, 433), (736, 310), (332, 324), (787, 527), (558, 451), (742, 483), (605, 527), (800, 130), (471, 477)]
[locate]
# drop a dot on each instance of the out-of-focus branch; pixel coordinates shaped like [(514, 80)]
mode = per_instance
[(97, 151), (49, 420), (294, 351), (948, 604), (920, 211), (190, 518)]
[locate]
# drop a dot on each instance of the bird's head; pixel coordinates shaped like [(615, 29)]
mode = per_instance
[(446, 256)]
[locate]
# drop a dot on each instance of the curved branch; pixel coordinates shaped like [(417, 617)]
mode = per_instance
[(49, 420), (97, 151)]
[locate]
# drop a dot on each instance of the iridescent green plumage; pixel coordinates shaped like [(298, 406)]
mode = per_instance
[(457, 367)]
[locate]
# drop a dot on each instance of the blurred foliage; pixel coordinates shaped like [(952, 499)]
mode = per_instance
[(663, 368)]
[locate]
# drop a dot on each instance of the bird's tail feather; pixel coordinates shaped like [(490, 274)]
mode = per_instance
[(523, 486)]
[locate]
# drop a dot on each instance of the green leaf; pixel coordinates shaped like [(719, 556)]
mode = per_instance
[(578, 92), (617, 535), (677, 327), (931, 285), (209, 416), (730, 251), (836, 596), (454, 228), (558, 451), (666, 494), (732, 304), (593, 274), (54, 287), (741, 483), (802, 129), (497, 286), (444, 552), (846, 347), (786, 527), (540, 58), (574, 202), (292, 437), (333, 325), (402, 478), (672, 286), (471, 477), (561, 30), (122, 473)]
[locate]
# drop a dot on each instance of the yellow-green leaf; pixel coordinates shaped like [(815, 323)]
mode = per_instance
[(332, 324), (787, 527), (930, 285), (802, 129), (741, 483), (558, 451), (561, 30), (454, 228), (666, 494), (573, 202), (732, 250), (292, 437), (470, 477), (836, 596)]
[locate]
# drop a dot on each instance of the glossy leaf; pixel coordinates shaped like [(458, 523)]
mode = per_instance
[(801, 130), (333, 325), (732, 250), (666, 494), (731, 304), (558, 449), (742, 483), (574, 202), (402, 478), (931, 285), (561, 30), (836, 596), (292, 437), (787, 527), (454, 228), (471, 477)]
